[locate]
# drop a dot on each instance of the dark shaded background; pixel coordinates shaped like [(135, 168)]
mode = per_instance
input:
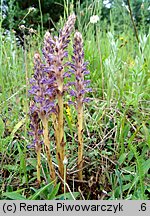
[(15, 10)]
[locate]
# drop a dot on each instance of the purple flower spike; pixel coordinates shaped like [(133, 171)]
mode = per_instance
[(48, 50), (79, 69), (42, 87)]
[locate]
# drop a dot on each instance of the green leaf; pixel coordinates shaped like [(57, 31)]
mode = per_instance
[(2, 127), (146, 166), (148, 190), (103, 152), (122, 158), (68, 196), (52, 195), (127, 177), (23, 167), (34, 196), (17, 126), (32, 162), (130, 156), (10, 167), (130, 168), (126, 187), (14, 196)]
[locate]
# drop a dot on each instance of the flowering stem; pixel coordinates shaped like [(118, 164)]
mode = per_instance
[(47, 147), (80, 140)]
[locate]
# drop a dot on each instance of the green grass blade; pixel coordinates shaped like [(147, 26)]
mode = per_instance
[(34, 196)]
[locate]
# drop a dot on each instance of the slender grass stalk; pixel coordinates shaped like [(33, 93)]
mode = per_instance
[(1, 54), (101, 62), (27, 83), (66, 9), (29, 11), (41, 15), (47, 147), (65, 162), (132, 20)]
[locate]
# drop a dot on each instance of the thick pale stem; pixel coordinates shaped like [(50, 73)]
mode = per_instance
[(47, 148), (60, 139), (55, 125), (80, 141), (38, 164)]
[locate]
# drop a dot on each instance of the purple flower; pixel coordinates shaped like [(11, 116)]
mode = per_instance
[(40, 132), (72, 93), (71, 102), (30, 133), (87, 82), (86, 72), (70, 83), (86, 100), (66, 75)]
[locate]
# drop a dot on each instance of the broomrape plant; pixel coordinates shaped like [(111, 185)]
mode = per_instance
[(79, 69), (48, 91), (36, 132), (42, 106)]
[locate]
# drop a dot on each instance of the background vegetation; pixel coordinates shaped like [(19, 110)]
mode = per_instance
[(117, 120)]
